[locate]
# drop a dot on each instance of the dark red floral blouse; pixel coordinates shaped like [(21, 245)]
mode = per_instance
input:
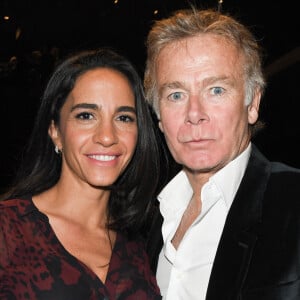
[(34, 264)]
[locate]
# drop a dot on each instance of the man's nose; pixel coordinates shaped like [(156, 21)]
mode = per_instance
[(196, 111)]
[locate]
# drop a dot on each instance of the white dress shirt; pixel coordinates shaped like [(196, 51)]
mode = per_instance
[(184, 273)]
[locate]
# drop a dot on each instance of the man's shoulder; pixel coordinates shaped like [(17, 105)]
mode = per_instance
[(280, 167), (275, 167)]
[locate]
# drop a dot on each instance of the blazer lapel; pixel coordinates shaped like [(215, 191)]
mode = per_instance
[(240, 232)]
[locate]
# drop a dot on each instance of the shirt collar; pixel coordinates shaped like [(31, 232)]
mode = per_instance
[(229, 178), (175, 195), (178, 192)]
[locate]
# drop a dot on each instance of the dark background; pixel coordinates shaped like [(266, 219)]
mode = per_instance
[(40, 32)]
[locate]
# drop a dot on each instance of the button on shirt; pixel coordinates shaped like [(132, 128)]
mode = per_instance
[(184, 273)]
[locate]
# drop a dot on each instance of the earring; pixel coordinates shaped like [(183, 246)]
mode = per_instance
[(56, 149)]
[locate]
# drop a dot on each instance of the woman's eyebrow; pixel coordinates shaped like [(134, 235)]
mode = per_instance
[(126, 108), (85, 105), (96, 107)]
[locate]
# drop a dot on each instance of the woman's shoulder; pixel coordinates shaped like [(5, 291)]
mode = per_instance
[(18, 205)]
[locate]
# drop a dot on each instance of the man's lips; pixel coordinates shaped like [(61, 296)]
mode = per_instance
[(196, 140)]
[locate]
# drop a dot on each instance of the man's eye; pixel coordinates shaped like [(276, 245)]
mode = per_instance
[(217, 90), (175, 96), (84, 116)]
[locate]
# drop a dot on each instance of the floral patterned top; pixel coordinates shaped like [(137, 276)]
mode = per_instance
[(34, 265)]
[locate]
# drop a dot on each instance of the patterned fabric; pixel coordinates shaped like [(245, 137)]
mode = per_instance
[(34, 265)]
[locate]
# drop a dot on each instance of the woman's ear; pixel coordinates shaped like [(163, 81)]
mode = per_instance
[(253, 108), (53, 132), (160, 126)]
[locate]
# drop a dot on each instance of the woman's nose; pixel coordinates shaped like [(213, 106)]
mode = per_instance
[(106, 133)]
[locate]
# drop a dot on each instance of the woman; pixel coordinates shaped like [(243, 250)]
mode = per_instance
[(69, 227)]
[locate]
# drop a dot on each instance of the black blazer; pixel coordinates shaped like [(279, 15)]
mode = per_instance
[(258, 257)]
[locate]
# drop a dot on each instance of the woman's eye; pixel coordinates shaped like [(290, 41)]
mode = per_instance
[(217, 90), (84, 116), (175, 96), (126, 118)]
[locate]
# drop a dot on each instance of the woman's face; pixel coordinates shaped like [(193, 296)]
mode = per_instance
[(98, 132)]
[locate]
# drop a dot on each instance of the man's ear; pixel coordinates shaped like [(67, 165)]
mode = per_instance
[(253, 108), (53, 132)]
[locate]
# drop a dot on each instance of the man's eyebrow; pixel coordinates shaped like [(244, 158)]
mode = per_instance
[(171, 85), (214, 79), (174, 84), (206, 81)]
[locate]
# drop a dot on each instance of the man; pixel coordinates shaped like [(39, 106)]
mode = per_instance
[(230, 218)]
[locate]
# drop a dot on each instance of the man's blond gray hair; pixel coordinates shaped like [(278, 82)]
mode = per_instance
[(192, 22)]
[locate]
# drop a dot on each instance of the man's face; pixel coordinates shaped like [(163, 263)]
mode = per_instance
[(201, 87)]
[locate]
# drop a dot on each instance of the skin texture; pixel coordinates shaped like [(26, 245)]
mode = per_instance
[(202, 104), (97, 136), (98, 122)]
